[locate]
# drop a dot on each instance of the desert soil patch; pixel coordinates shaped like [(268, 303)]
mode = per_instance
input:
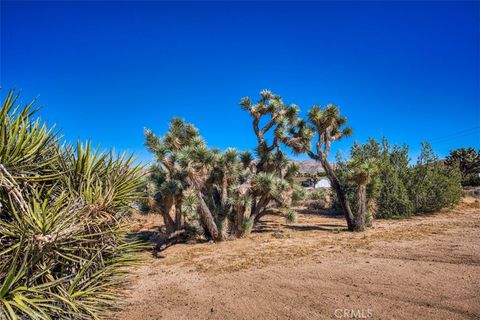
[(418, 268)]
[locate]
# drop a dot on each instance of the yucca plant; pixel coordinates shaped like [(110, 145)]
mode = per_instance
[(63, 247)]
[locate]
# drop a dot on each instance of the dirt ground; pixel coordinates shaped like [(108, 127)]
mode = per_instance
[(418, 268)]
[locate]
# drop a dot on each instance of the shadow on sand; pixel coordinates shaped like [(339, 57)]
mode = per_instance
[(318, 227)]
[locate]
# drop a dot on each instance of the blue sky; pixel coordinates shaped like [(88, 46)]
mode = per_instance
[(105, 70)]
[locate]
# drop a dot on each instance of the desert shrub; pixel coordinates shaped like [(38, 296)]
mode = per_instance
[(63, 244), (471, 180), (246, 227), (468, 161), (291, 217), (316, 194), (393, 199), (299, 194), (318, 199), (399, 189), (432, 185), (194, 230)]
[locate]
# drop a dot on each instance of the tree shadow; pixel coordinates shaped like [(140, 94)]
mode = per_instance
[(326, 212), (152, 239), (150, 236), (265, 226), (269, 226), (318, 227)]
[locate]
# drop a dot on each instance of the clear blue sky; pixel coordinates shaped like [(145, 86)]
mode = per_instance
[(105, 70)]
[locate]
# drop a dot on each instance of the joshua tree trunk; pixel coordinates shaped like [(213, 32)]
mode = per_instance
[(258, 208), (164, 211), (178, 212), (239, 216), (359, 221), (224, 194), (347, 211), (208, 220)]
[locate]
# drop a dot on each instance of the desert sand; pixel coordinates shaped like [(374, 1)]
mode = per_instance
[(425, 267)]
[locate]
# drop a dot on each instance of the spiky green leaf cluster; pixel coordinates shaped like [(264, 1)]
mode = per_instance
[(63, 245)]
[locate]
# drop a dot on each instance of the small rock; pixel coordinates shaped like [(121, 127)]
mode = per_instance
[(211, 310), (278, 234)]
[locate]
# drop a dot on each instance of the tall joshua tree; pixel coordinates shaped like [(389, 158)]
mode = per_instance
[(269, 179), (182, 165), (315, 137), (167, 179)]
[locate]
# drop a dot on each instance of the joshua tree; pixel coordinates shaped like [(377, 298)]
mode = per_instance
[(326, 125), (271, 175), (182, 165), (362, 171), (167, 179), (196, 183)]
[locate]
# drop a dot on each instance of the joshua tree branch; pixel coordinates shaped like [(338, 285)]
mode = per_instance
[(269, 125), (258, 133)]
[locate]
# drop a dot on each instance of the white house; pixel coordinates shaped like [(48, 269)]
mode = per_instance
[(322, 183)]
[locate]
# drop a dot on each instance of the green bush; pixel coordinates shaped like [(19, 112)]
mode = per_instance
[(291, 217), (246, 227), (432, 185), (468, 161), (364, 160), (316, 194), (298, 194), (63, 244), (394, 199), (400, 189), (471, 180)]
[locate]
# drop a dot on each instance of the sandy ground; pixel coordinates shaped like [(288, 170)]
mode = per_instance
[(419, 268)]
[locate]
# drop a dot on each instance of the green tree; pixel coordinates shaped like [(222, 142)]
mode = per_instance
[(432, 185), (468, 160)]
